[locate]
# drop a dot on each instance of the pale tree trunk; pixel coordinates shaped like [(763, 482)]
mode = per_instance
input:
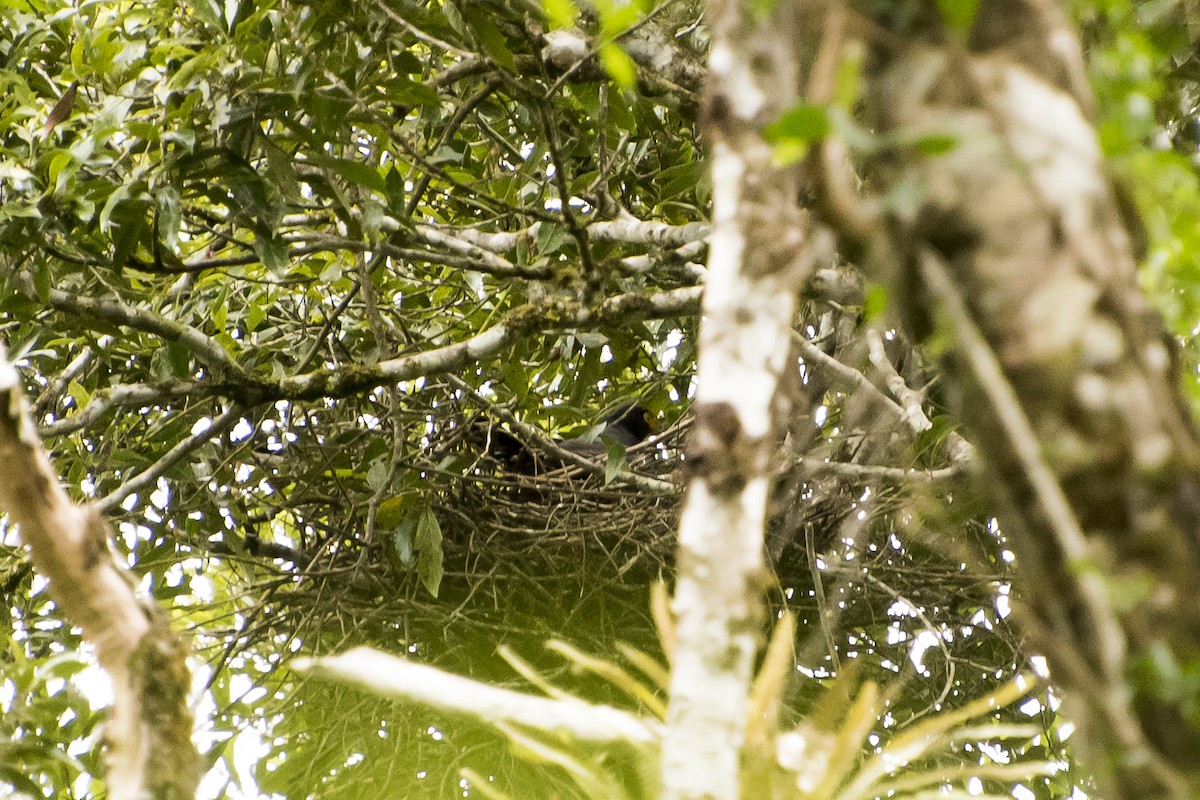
[(150, 751), (756, 265), (1018, 255)]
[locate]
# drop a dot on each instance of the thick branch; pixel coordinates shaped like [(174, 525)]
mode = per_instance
[(149, 734)]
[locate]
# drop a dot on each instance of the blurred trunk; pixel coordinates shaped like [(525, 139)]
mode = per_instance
[(1015, 261), (757, 262)]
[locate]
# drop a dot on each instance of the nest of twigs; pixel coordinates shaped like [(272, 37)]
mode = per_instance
[(565, 554)]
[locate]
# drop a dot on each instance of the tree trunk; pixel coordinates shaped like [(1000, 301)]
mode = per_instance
[(1018, 254), (756, 265)]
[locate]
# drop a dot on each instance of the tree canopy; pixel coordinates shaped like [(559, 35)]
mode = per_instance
[(277, 275)]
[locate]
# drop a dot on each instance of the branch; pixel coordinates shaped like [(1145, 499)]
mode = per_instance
[(340, 383), (132, 394), (464, 255), (206, 349), (388, 676), (958, 449), (760, 256), (1055, 508), (871, 473), (152, 473), (251, 389), (663, 65), (150, 753), (49, 396), (910, 401), (625, 228)]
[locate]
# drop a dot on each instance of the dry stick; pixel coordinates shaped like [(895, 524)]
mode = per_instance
[(150, 751)]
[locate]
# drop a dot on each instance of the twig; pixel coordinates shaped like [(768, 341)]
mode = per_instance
[(151, 474)]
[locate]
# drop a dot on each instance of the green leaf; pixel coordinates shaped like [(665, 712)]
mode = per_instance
[(110, 205), (491, 39), (803, 123), (355, 172), (181, 359), (209, 11), (936, 144), (58, 172), (406, 62), (405, 91), (377, 473), (402, 543), (618, 65), (516, 378), (270, 249), (394, 190), (875, 302), (393, 510), (282, 172), (616, 460), (42, 280), (168, 216), (560, 13), (78, 393), (550, 237), (959, 15), (125, 238), (428, 542)]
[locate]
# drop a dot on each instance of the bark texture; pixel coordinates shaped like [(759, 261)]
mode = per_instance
[(150, 752), (756, 266), (1016, 254)]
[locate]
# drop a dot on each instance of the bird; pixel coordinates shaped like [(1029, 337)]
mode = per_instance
[(627, 424)]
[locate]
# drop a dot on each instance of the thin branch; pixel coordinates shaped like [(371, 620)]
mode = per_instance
[(448, 130), (49, 396), (870, 473), (427, 38), (382, 346), (343, 382), (115, 311), (910, 401), (958, 450), (152, 473), (134, 394)]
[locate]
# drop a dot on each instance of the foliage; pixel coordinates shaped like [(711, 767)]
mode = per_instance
[(236, 273)]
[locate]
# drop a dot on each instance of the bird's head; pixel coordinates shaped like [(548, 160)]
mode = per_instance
[(629, 423)]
